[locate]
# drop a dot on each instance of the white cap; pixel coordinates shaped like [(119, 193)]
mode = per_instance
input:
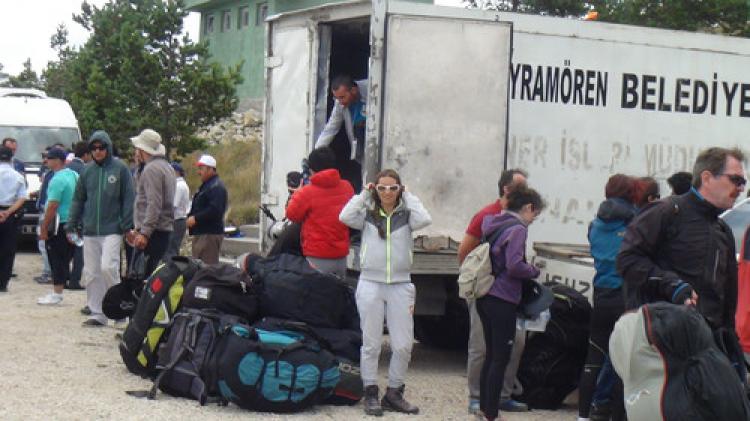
[(206, 161), (70, 157)]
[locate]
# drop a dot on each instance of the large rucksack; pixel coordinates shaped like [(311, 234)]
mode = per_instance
[(552, 360), (158, 303), (291, 289), (345, 346), (274, 371), (187, 361), (672, 369), (224, 288)]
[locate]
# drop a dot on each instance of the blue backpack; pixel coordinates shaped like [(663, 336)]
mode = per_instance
[(281, 371)]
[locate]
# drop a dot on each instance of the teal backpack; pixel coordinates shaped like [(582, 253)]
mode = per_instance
[(281, 371)]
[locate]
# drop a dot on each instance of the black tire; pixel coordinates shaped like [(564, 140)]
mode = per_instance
[(450, 331)]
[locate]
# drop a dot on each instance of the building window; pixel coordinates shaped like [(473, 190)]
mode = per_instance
[(226, 21), (209, 24), (261, 14), (243, 19)]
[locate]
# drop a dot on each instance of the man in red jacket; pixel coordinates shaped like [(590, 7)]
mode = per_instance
[(325, 240)]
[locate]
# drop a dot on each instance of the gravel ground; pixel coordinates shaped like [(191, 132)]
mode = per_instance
[(53, 368)]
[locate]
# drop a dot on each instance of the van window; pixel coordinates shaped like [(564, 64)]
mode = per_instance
[(33, 140)]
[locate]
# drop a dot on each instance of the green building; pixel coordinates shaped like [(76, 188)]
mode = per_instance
[(235, 32)]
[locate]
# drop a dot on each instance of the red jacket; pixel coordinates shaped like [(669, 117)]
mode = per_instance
[(317, 206), (742, 315)]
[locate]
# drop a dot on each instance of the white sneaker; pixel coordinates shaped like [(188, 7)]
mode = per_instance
[(50, 299)]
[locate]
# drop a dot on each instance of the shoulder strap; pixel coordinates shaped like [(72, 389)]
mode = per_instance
[(495, 235)]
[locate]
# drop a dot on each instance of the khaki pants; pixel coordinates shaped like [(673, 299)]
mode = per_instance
[(206, 247)]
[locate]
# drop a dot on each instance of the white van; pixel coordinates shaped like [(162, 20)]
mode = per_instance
[(36, 121)]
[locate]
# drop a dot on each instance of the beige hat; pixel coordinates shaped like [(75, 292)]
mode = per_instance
[(149, 141)]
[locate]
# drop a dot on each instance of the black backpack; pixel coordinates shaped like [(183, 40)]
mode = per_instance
[(224, 288), (291, 289), (282, 371), (158, 303), (343, 343), (187, 362), (552, 360)]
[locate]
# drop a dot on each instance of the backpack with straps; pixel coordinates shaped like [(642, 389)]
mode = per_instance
[(188, 361), (476, 274), (158, 303)]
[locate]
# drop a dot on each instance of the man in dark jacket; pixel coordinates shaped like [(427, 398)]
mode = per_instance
[(678, 250), (325, 240), (103, 210), (206, 217)]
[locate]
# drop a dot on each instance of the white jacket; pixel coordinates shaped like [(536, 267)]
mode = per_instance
[(388, 259)]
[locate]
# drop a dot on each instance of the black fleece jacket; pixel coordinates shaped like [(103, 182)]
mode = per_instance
[(676, 246)]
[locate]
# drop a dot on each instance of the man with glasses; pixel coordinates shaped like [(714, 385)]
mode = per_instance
[(102, 211), (678, 250)]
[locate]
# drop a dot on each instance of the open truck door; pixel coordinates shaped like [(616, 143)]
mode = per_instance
[(439, 81), (438, 114)]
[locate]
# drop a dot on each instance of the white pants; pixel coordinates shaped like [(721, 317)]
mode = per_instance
[(101, 269), (395, 302)]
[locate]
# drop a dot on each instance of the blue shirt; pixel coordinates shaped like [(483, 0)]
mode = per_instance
[(60, 190), (12, 185)]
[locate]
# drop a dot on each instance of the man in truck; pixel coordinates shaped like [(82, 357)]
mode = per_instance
[(349, 109), (509, 181), (679, 250), (11, 144)]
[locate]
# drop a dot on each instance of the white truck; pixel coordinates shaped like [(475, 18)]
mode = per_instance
[(36, 121), (455, 96)]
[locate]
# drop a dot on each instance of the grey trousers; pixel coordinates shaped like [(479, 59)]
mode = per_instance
[(334, 266), (394, 303), (476, 354), (207, 247)]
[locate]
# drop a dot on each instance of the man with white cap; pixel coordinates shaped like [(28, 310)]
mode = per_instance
[(153, 215), (206, 218)]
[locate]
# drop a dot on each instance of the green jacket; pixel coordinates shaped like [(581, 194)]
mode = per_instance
[(104, 197)]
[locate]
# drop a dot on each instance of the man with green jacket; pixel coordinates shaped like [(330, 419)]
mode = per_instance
[(102, 211)]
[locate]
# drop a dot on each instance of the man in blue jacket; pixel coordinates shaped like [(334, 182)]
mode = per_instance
[(206, 218)]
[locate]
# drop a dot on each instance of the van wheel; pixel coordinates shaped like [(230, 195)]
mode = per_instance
[(449, 331)]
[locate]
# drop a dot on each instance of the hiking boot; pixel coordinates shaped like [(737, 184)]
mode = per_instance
[(50, 299), (393, 400), (86, 311), (93, 323), (371, 402), (512, 405), (600, 412), (74, 286)]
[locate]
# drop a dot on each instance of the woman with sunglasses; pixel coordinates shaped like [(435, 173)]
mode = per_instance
[(497, 309), (387, 214)]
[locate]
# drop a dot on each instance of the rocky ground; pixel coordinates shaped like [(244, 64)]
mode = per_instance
[(55, 369)]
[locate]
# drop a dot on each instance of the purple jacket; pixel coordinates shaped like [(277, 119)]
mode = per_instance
[(508, 256)]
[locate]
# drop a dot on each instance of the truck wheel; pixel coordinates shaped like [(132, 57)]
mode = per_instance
[(449, 331)]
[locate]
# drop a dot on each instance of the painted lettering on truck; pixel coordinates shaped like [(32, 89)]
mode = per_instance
[(650, 92)]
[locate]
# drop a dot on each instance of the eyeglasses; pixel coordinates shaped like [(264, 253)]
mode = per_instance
[(384, 188), (98, 148), (737, 180)]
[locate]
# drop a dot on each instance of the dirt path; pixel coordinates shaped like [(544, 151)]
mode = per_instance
[(53, 368)]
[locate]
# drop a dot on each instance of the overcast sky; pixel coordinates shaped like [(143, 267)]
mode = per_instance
[(27, 25)]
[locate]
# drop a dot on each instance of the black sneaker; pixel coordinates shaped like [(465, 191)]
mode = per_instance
[(74, 286), (86, 311), (93, 323)]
